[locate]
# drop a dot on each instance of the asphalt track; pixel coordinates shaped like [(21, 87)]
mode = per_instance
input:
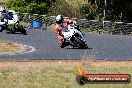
[(43, 45)]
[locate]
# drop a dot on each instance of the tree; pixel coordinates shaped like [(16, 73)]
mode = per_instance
[(115, 9), (30, 6), (129, 12), (93, 9)]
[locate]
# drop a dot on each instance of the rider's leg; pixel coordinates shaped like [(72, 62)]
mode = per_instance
[(63, 43)]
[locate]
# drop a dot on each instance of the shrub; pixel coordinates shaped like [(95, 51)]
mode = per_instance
[(30, 6)]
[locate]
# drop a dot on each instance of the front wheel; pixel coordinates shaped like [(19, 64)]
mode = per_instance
[(80, 43), (1, 28), (19, 28)]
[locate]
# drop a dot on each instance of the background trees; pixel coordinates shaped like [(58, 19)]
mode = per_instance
[(30, 6), (116, 10)]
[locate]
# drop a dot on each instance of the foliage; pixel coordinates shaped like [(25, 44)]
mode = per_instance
[(63, 8), (30, 6), (119, 10), (129, 12), (116, 10), (2, 3)]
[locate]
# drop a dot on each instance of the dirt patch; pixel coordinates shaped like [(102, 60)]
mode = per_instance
[(6, 47), (65, 63), (12, 48)]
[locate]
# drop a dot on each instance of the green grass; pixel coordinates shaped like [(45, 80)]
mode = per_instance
[(54, 75)]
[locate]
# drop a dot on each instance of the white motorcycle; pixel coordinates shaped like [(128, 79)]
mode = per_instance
[(74, 37), (11, 23)]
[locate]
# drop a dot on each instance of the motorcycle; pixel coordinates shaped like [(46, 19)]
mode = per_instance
[(13, 28), (11, 23), (74, 37), (2, 27)]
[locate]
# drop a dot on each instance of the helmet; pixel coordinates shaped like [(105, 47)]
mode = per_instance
[(2, 8), (59, 19)]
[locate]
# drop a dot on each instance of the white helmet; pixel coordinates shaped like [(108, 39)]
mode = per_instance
[(2, 8), (59, 19)]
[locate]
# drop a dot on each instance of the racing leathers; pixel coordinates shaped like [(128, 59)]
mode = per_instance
[(59, 28)]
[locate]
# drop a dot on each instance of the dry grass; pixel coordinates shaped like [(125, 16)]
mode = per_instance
[(57, 74), (6, 47), (63, 63)]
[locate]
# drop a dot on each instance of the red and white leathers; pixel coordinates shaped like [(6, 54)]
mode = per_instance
[(59, 28)]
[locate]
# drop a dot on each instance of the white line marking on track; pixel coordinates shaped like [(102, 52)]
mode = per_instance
[(24, 49)]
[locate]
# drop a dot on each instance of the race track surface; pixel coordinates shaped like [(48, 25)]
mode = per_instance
[(101, 47)]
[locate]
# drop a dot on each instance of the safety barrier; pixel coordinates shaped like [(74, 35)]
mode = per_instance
[(100, 27)]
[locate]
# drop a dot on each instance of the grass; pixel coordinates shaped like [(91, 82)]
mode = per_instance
[(6, 46), (58, 74)]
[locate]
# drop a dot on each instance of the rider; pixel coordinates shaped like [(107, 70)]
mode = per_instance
[(61, 25), (4, 14)]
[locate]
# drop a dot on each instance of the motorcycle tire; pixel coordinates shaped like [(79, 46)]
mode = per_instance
[(81, 44), (12, 31), (23, 31), (1, 28)]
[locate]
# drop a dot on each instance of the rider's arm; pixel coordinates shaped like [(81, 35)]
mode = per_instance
[(68, 21), (58, 31)]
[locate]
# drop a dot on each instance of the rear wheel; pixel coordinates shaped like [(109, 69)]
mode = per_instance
[(23, 31), (81, 43), (19, 28), (12, 31)]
